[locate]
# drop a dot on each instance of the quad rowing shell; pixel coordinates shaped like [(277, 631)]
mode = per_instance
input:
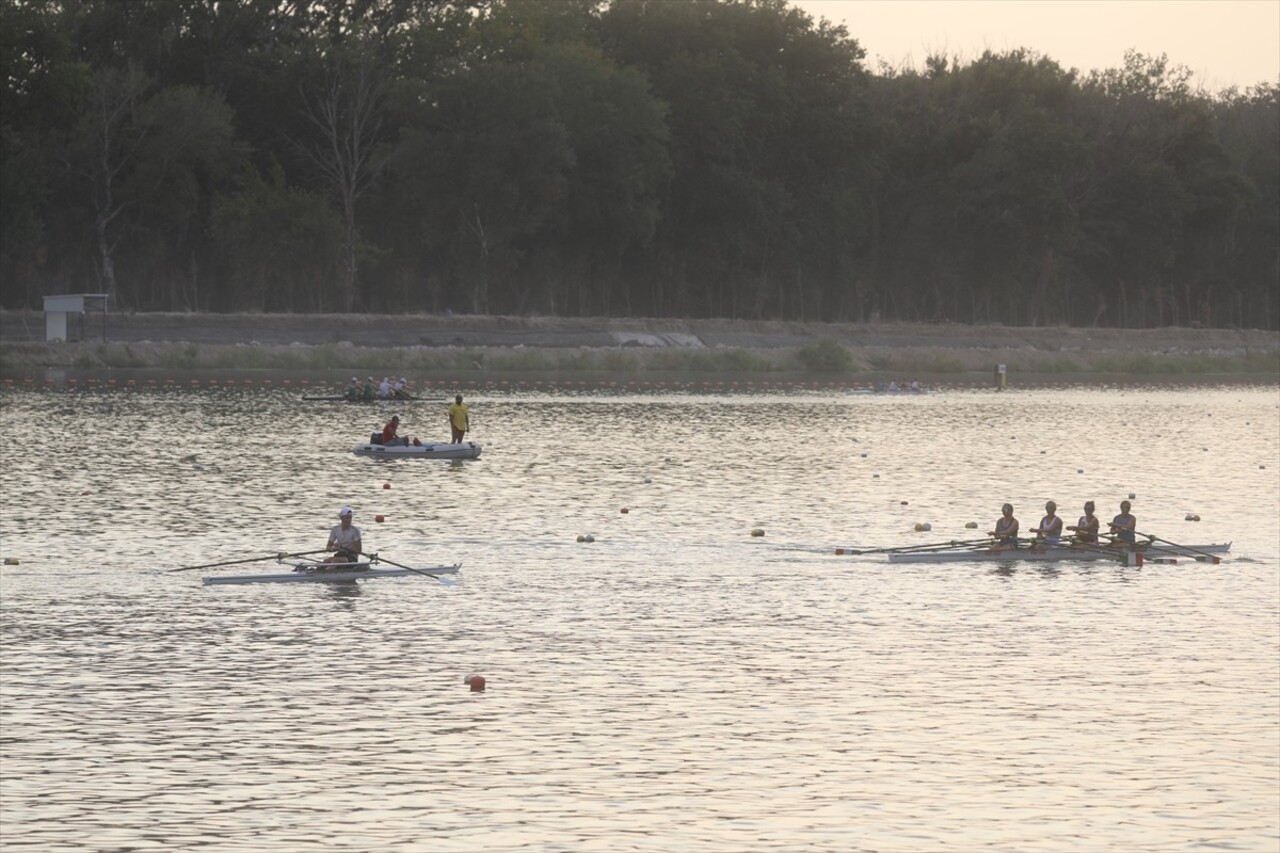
[(1051, 554), (309, 573), (465, 450)]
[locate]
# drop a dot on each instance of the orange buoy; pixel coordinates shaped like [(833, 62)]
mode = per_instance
[(379, 518), (475, 682)]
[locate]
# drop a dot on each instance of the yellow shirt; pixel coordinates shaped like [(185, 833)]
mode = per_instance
[(458, 416)]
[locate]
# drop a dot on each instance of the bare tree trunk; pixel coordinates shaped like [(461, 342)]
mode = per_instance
[(114, 97), (348, 114), (480, 288), (1036, 307)]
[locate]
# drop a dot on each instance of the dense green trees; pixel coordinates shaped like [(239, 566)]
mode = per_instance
[(575, 157)]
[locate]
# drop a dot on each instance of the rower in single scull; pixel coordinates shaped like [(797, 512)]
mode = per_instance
[(344, 540)]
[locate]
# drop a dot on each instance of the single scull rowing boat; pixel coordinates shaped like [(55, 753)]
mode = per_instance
[(335, 573)]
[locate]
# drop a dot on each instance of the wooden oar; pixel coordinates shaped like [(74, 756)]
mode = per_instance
[(857, 552), (278, 556), (374, 558), (1190, 552)]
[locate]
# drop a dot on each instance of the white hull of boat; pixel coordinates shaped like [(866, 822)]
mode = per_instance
[(984, 555), (465, 450), (314, 573)]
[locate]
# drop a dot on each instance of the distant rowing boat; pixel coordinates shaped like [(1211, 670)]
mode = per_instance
[(986, 555), (893, 391), (326, 573), (338, 398)]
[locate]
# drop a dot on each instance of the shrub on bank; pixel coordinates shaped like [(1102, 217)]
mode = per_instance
[(824, 356)]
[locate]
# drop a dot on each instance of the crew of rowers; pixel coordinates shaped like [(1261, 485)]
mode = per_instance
[(1049, 531), (385, 390), (893, 387)]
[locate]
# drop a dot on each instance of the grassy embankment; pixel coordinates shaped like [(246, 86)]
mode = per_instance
[(823, 356)]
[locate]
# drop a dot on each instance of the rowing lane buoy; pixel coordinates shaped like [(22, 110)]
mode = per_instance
[(475, 682)]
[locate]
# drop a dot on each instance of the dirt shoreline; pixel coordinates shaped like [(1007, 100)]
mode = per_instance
[(542, 344)]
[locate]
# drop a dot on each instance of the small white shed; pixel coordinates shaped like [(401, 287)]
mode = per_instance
[(65, 315)]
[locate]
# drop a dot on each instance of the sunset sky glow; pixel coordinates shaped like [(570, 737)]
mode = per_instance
[(1224, 42)]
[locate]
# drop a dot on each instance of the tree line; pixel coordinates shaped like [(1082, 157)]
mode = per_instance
[(665, 158)]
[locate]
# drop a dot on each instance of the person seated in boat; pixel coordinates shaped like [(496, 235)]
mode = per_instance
[(459, 420), (1086, 529), (369, 391), (400, 390), (1122, 526), (344, 540), (1006, 532), (384, 389), (1050, 530), (353, 390), (389, 437), (893, 386), (915, 386)]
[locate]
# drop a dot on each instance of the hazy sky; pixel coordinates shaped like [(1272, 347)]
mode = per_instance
[(1225, 42)]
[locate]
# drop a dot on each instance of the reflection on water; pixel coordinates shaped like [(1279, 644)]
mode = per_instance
[(675, 684)]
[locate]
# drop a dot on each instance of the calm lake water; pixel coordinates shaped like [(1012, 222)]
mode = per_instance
[(677, 684)]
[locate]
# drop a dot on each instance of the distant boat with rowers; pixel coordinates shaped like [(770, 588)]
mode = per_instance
[(1148, 553), (914, 388), (425, 450), (339, 398), (336, 573)]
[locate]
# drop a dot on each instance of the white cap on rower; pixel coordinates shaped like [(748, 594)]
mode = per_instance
[(346, 510)]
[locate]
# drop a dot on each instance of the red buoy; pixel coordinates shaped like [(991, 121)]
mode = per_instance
[(625, 510), (386, 485), (476, 682), (379, 519)]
